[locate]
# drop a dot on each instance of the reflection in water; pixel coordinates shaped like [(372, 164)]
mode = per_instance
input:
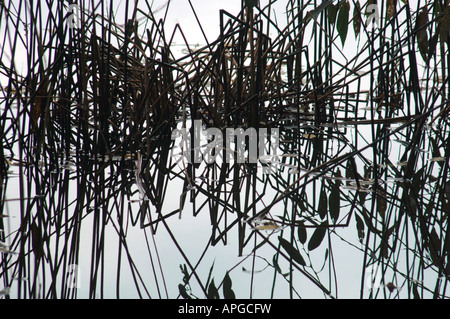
[(353, 191)]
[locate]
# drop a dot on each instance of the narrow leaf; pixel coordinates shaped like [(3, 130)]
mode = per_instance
[(444, 25), (360, 228), (342, 21), (362, 197), (432, 49), (435, 241), (325, 258), (421, 32), (318, 236), (390, 11), (381, 203), (335, 202), (40, 101), (350, 171), (338, 176), (292, 251), (228, 293), (323, 204), (209, 275), (37, 242), (332, 12), (212, 291), (384, 246), (301, 233), (357, 19), (275, 263)]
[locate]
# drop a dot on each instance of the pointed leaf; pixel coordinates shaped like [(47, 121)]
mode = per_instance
[(342, 21), (338, 175), (325, 258), (335, 202), (323, 204), (384, 246), (301, 232), (444, 25), (360, 228), (318, 236), (381, 203), (36, 241), (209, 275), (435, 242), (432, 48), (275, 263), (390, 11), (350, 171), (357, 19), (332, 12), (228, 293), (301, 201), (212, 291), (292, 251), (421, 32)]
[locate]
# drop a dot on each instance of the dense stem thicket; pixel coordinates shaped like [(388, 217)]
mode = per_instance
[(358, 91)]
